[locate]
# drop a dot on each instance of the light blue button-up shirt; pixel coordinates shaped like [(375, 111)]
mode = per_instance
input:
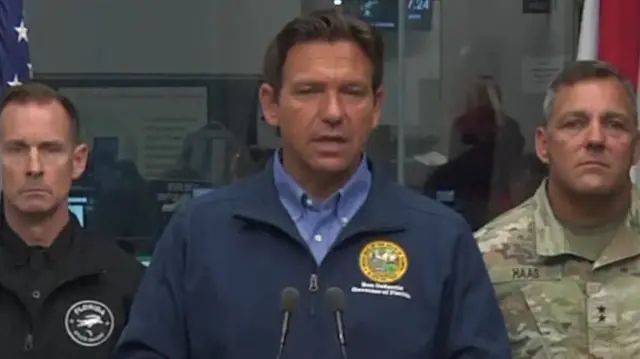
[(320, 224)]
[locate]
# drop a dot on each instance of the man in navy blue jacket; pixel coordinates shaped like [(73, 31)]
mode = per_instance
[(404, 272)]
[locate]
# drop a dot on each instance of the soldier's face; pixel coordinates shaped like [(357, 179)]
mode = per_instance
[(591, 138)]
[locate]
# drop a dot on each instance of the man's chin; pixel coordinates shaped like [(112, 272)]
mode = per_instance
[(594, 187), (330, 167), (35, 208)]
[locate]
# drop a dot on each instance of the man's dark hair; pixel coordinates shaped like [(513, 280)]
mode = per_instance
[(588, 70), (324, 25), (41, 93)]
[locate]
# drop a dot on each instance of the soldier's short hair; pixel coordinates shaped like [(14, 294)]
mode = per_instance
[(587, 70)]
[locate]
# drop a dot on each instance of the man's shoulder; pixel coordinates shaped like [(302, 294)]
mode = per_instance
[(430, 225), (213, 213), (106, 248), (513, 226), (222, 198), (122, 267), (508, 243), (424, 208)]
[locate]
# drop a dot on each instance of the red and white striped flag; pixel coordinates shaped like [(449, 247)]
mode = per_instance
[(610, 31)]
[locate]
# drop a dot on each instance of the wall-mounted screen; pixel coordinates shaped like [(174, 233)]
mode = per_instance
[(77, 206), (384, 13)]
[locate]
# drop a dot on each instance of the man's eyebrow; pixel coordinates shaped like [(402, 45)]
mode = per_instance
[(606, 114), (42, 143)]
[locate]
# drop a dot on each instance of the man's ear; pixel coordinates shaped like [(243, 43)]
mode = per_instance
[(80, 156), (378, 97), (542, 144), (269, 104), (636, 149)]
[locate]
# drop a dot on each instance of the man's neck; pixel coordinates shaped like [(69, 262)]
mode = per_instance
[(320, 186), (588, 211), (37, 231)]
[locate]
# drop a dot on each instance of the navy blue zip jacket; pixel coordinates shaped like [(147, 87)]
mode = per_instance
[(413, 277)]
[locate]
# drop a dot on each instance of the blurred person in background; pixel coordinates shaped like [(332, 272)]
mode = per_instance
[(64, 293), (209, 151), (565, 263), (485, 143), (525, 176)]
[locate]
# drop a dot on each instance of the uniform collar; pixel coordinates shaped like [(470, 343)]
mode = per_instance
[(346, 201), (550, 237), (626, 244), (21, 252), (549, 233)]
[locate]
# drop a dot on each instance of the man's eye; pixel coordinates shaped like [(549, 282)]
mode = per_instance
[(53, 149), (355, 91), (14, 149), (616, 124), (574, 122), (305, 91)]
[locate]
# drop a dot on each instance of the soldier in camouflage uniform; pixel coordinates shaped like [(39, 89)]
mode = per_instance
[(566, 262)]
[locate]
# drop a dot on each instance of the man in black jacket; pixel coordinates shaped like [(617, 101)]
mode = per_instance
[(63, 293)]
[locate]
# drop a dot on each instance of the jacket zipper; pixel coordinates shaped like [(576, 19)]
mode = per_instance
[(28, 341), (313, 289)]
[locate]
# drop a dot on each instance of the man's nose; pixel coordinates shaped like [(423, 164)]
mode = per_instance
[(595, 135), (34, 165), (333, 109)]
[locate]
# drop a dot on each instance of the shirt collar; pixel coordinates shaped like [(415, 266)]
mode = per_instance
[(550, 239), (549, 233), (346, 201), (22, 252)]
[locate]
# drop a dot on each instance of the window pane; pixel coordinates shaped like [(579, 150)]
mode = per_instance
[(475, 85), (167, 93)]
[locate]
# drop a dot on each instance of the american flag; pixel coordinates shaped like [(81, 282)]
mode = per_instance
[(15, 64)]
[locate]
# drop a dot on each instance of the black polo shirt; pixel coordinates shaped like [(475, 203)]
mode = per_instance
[(31, 261), (70, 300)]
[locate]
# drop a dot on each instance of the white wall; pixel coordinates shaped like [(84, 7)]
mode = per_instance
[(470, 37)]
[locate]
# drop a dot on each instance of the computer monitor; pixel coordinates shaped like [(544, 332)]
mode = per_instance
[(144, 260), (77, 206), (385, 13)]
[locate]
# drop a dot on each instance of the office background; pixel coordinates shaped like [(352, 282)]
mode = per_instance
[(167, 91)]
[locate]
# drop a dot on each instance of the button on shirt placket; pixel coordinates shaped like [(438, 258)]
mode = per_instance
[(38, 261), (37, 264), (320, 225)]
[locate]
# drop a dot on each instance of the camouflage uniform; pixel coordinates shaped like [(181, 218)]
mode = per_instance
[(556, 304)]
